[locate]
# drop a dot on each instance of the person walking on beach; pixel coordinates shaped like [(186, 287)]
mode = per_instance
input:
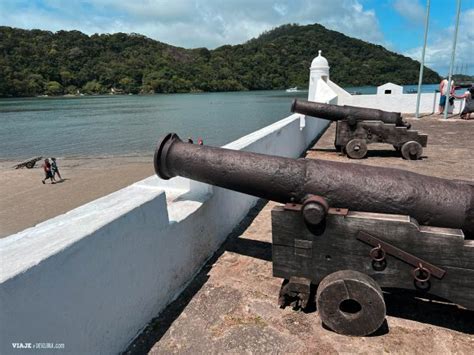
[(54, 168), (443, 88), (47, 172)]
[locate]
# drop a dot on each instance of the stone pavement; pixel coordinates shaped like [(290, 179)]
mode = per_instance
[(231, 305)]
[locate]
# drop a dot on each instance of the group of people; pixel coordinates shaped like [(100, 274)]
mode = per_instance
[(50, 171), (200, 141), (468, 96)]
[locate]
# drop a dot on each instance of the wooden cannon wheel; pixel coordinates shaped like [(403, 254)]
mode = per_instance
[(411, 150), (350, 303), (356, 148)]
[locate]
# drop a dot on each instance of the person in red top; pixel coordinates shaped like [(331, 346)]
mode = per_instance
[(47, 172)]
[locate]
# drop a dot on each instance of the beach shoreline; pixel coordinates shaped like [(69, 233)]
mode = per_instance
[(25, 201)]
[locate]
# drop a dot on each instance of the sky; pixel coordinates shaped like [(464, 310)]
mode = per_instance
[(395, 24)]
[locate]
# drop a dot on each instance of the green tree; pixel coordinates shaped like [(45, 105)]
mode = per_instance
[(93, 87), (30, 60), (71, 90), (66, 77), (129, 85), (53, 88)]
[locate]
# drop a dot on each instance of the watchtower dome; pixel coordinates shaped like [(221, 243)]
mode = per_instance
[(320, 65), (319, 70)]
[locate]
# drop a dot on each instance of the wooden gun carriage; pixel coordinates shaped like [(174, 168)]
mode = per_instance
[(356, 127), (348, 228)]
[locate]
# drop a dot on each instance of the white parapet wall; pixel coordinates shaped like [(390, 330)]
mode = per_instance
[(404, 103), (390, 98), (92, 278)]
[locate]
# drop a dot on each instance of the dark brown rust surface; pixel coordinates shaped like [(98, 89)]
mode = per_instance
[(338, 113), (430, 200)]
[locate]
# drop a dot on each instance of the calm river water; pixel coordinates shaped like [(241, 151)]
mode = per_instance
[(131, 125)]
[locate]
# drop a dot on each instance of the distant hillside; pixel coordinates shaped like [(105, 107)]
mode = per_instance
[(35, 62)]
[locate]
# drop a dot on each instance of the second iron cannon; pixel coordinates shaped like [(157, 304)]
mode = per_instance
[(356, 127)]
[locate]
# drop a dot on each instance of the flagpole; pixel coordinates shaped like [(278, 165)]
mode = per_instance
[(422, 63), (448, 92)]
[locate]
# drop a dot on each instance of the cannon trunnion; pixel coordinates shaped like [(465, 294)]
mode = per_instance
[(356, 127), (349, 229)]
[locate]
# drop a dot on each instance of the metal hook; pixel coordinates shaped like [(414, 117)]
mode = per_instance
[(377, 253), (421, 274)]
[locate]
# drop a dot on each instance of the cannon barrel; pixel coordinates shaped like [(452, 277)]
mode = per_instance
[(432, 201), (338, 113)]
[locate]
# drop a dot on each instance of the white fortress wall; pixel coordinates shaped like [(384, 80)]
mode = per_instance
[(404, 103), (93, 277), (390, 97)]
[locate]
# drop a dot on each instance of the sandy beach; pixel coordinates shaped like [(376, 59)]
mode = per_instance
[(25, 201)]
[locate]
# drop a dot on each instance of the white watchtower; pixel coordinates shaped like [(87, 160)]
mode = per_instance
[(319, 70)]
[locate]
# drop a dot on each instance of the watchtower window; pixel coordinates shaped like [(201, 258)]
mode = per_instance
[(388, 91)]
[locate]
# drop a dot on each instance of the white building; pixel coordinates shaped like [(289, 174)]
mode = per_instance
[(389, 89)]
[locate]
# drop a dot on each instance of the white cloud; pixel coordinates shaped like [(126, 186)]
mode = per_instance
[(412, 10), (192, 23), (438, 50), (282, 9)]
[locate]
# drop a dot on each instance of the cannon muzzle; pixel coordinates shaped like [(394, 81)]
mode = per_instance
[(339, 113), (430, 200)]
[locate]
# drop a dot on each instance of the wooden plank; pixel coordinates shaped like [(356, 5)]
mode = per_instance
[(448, 249), (338, 249), (457, 285)]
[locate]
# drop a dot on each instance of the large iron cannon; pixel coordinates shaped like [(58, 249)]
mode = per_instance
[(348, 228), (356, 127), (432, 201)]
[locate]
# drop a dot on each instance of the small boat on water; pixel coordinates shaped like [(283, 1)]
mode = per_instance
[(294, 89)]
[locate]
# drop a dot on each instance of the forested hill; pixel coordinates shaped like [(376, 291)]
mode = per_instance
[(35, 62)]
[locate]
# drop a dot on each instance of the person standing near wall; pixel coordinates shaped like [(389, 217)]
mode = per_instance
[(469, 106), (443, 88)]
